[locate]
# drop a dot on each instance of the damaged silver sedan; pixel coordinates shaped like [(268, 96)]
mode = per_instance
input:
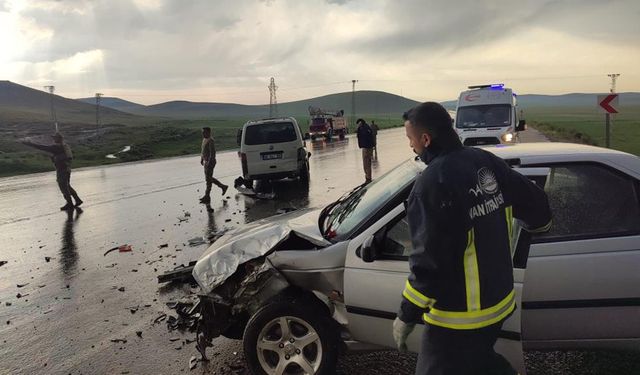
[(302, 287)]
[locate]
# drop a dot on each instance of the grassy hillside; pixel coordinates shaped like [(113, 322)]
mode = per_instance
[(31, 104), (367, 103)]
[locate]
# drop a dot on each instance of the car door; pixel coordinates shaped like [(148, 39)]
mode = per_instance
[(373, 289), (582, 280)]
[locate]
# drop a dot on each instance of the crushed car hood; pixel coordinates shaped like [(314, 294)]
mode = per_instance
[(251, 241)]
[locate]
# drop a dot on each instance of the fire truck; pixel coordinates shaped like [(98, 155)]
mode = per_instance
[(327, 123)]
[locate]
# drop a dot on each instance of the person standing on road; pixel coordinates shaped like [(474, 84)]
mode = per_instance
[(460, 214), (208, 160), (61, 157), (365, 142), (374, 129)]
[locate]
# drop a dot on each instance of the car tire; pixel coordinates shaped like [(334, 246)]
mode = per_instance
[(308, 345), (304, 173)]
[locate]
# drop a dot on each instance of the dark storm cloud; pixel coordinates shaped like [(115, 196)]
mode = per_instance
[(422, 26)]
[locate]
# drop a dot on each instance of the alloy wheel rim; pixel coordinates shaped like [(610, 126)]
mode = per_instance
[(288, 345)]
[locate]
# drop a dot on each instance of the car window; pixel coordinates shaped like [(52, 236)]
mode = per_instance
[(397, 242), (585, 197), (275, 132), (360, 205)]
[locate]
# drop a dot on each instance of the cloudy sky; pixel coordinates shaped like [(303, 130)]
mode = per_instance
[(151, 51)]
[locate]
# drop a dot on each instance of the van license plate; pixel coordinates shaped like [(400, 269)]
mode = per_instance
[(272, 156)]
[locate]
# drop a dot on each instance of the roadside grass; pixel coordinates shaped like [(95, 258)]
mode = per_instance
[(587, 125), (162, 137)]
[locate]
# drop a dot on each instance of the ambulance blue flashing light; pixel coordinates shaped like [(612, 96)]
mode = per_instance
[(497, 86)]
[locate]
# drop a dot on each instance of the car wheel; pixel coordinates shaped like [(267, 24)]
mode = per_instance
[(304, 173), (284, 338)]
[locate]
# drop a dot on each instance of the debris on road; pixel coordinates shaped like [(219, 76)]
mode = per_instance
[(139, 333), (121, 249), (160, 318), (47, 259), (197, 241), (22, 285), (193, 362), (119, 340), (188, 315), (3, 262), (121, 289), (181, 273), (163, 245)]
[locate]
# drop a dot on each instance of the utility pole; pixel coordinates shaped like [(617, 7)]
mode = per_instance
[(52, 89), (98, 96), (273, 101), (607, 118), (353, 101)]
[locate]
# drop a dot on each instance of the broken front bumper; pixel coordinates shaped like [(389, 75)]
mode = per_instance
[(226, 310)]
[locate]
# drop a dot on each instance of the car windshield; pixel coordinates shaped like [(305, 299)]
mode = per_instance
[(274, 132), (347, 213), (484, 116)]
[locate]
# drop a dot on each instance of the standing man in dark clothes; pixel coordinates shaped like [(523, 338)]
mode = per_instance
[(208, 160), (460, 214), (374, 129), (61, 157), (365, 142)]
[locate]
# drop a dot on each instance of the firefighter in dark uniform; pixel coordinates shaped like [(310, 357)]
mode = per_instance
[(460, 217)]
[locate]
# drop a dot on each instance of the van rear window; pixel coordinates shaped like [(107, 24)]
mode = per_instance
[(275, 132)]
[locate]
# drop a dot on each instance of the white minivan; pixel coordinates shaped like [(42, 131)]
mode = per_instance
[(488, 115), (273, 149)]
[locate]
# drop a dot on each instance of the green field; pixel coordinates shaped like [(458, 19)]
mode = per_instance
[(586, 125), (157, 138)]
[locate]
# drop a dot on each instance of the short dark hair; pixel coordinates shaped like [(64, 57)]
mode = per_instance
[(206, 129), (360, 120), (431, 117)]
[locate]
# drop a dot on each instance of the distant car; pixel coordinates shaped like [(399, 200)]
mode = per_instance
[(272, 149), (297, 286)]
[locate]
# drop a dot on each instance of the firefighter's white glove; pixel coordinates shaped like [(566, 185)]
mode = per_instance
[(401, 331)]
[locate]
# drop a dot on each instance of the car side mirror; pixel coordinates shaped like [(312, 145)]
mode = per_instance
[(239, 137), (522, 126), (367, 251)]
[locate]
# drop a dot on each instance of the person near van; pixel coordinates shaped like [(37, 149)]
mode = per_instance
[(374, 129), (61, 157), (208, 160), (460, 214), (365, 142)]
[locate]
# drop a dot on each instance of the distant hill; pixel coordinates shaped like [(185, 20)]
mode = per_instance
[(116, 103), (23, 104), (367, 102)]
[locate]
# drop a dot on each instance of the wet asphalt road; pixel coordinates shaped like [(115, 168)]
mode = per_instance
[(63, 303), (70, 307)]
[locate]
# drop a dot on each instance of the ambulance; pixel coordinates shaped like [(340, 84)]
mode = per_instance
[(488, 115)]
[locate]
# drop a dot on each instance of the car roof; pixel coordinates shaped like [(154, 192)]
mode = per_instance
[(270, 120), (546, 152)]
